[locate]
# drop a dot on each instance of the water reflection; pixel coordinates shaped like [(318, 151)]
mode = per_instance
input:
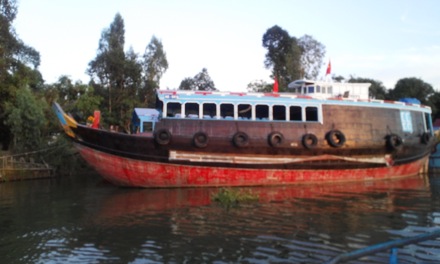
[(70, 221)]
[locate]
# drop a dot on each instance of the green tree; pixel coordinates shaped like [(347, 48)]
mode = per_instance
[(116, 75), (293, 67), (26, 120), (413, 88), (291, 58), (130, 95), (434, 103), (312, 54), (107, 69), (377, 90), (200, 82), (155, 60), (18, 67), (187, 84), (67, 92), (203, 81), (338, 78), (155, 65), (260, 86), (280, 56)]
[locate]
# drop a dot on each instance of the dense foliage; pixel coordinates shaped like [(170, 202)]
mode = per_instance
[(201, 82), (121, 79), (292, 58)]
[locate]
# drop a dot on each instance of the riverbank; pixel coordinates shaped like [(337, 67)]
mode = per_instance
[(22, 167)]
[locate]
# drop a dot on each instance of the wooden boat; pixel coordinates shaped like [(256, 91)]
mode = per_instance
[(316, 134)]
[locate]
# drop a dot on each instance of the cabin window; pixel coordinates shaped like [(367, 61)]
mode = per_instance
[(311, 113), (318, 89), (330, 89), (174, 109), (311, 89), (406, 120), (262, 112), (227, 111), (279, 112), (323, 89), (192, 110), (209, 110), (245, 111), (147, 126), (428, 123), (295, 113), (304, 90)]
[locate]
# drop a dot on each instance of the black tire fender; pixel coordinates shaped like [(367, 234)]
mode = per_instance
[(309, 141), (275, 139), (335, 138), (200, 139), (240, 139), (394, 142), (162, 137)]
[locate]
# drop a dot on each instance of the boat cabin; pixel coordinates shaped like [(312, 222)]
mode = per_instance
[(325, 90), (264, 107), (144, 120)]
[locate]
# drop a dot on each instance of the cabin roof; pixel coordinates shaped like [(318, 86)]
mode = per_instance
[(144, 114), (183, 96), (218, 97)]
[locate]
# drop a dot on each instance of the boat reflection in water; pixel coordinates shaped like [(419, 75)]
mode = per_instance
[(375, 195), (308, 224), (65, 222)]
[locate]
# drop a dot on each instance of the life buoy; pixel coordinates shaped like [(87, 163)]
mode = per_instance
[(309, 141), (425, 137), (335, 138), (240, 139), (394, 142), (275, 139), (200, 139), (162, 136)]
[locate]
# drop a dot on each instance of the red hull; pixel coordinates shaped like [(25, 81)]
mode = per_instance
[(135, 173)]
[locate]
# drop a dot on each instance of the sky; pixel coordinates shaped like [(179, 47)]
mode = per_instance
[(381, 40)]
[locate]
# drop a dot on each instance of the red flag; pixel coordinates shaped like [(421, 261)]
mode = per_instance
[(329, 68), (275, 85), (96, 119)]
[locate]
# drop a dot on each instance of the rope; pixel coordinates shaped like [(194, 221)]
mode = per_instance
[(32, 152)]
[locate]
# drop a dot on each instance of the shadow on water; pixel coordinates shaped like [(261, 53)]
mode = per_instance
[(83, 220)]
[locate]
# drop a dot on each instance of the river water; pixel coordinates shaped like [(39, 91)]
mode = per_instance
[(81, 219)]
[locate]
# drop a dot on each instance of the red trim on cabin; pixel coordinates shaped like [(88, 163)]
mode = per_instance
[(272, 94), (304, 97), (167, 92), (203, 92), (237, 93)]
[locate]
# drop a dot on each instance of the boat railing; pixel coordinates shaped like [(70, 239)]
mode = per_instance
[(389, 245)]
